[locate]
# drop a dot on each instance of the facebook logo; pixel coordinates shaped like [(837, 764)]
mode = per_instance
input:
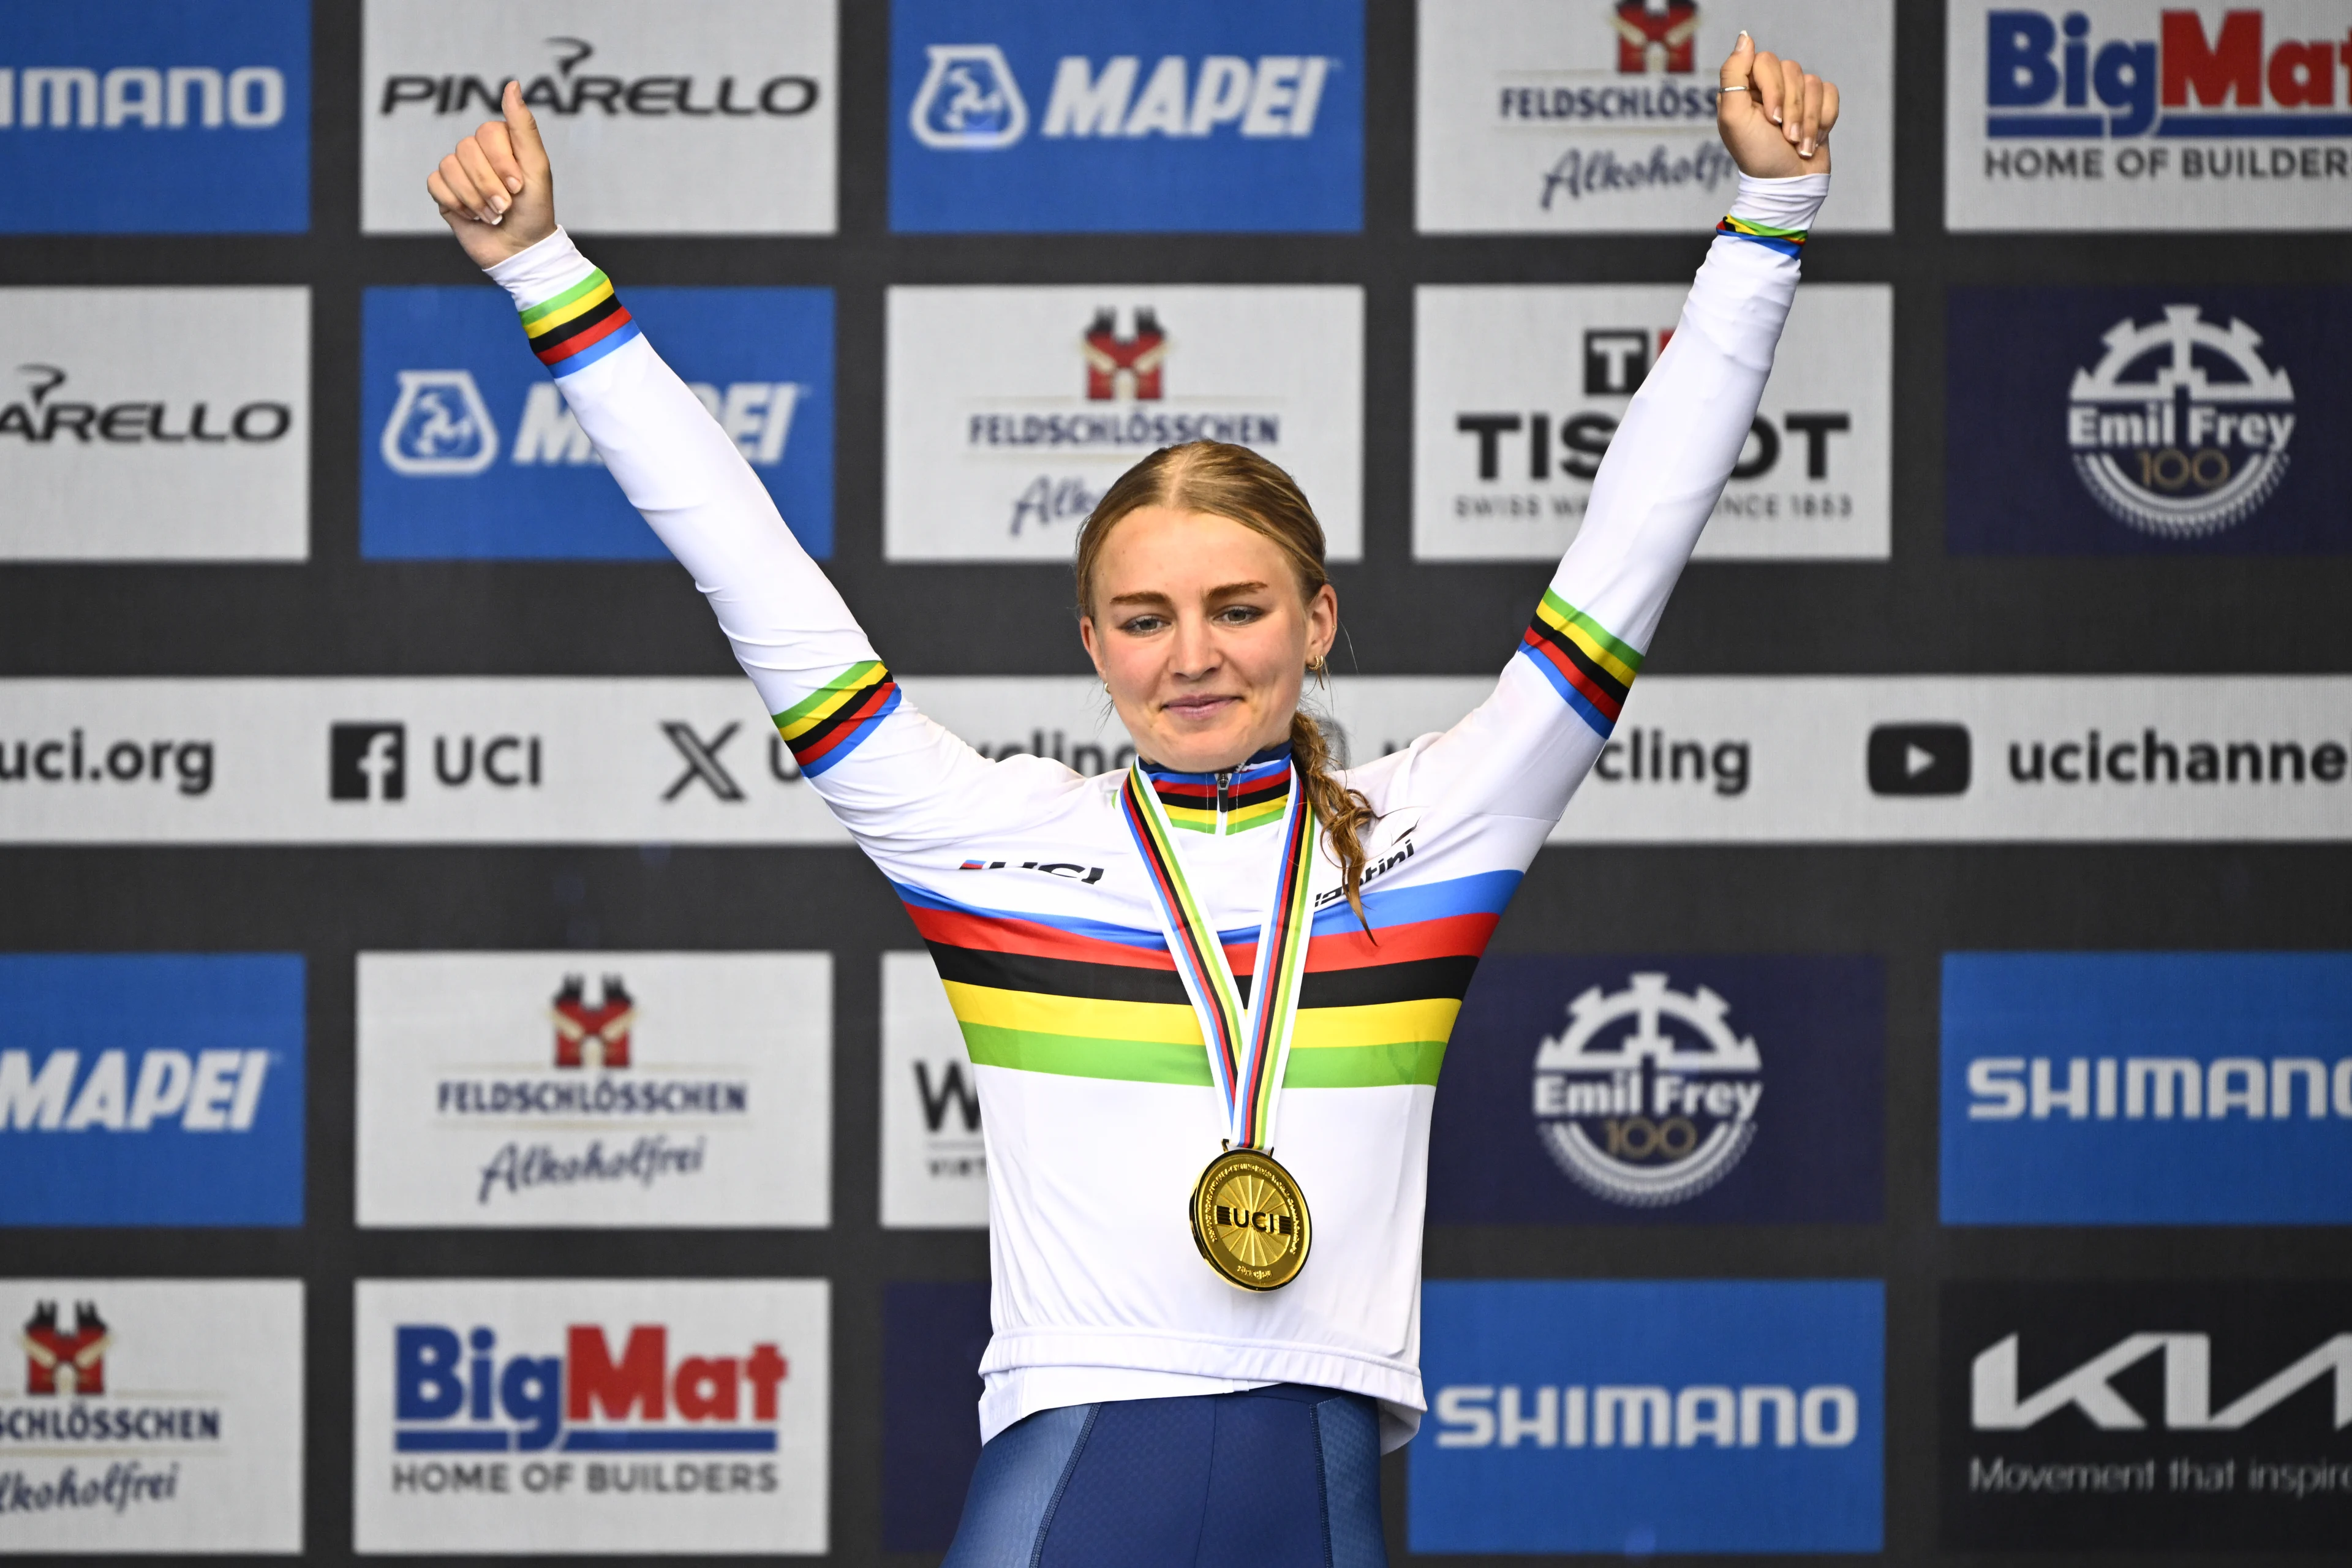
[(367, 761), (1193, 114), (471, 452), (154, 117)]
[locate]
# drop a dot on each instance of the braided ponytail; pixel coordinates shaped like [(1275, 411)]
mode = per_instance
[(1235, 482)]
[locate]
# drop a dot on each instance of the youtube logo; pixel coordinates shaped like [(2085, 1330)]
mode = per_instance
[(1918, 759)]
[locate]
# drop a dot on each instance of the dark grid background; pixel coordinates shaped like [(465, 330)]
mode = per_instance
[(1920, 613)]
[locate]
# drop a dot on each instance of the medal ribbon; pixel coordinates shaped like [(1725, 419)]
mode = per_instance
[(1248, 1047)]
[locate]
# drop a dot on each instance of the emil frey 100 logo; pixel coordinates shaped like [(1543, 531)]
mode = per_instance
[(1651, 1114), (2181, 428)]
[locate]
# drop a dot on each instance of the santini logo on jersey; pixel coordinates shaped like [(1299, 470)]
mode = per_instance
[(454, 1395), (211, 1091), (971, 101), (2048, 77)]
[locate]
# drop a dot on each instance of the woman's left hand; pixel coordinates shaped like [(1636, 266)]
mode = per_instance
[(1780, 126)]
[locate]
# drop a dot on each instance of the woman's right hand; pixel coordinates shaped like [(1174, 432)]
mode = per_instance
[(495, 191)]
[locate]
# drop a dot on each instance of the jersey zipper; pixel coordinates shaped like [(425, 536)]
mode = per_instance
[(1225, 782)]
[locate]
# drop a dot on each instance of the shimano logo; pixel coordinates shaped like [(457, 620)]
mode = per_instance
[(145, 98), (2006, 1089), (1634, 1416), (1996, 1404)]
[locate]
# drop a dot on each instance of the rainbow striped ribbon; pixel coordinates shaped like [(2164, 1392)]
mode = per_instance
[(1787, 241), (579, 326), (1249, 1046)]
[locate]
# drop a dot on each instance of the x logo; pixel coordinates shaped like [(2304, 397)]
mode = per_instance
[(702, 760)]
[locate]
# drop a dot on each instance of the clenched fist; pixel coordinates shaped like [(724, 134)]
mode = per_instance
[(495, 191), (1780, 126)]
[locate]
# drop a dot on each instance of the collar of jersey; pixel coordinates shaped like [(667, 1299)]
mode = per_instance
[(1255, 794)]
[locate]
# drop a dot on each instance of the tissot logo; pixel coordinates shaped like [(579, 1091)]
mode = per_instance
[(2167, 1415), (1918, 759), (568, 91)]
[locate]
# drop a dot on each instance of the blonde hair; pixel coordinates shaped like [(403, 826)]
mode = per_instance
[(1235, 482)]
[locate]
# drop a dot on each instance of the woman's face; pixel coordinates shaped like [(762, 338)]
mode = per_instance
[(1200, 630)]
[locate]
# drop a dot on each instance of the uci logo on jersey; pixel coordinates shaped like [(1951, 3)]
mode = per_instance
[(1190, 115)]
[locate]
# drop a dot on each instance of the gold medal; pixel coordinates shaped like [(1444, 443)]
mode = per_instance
[(1250, 1220)]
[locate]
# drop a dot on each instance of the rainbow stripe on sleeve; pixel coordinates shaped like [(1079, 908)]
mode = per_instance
[(579, 326), (1591, 669), (834, 720), (1787, 241)]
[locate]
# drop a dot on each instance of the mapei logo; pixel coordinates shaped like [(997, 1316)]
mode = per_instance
[(2043, 74), (141, 98), (593, 1032), (65, 1361), (570, 91), (1655, 35), (1996, 1404), (39, 420), (1650, 1096), (209, 1091), (440, 426), (2181, 428), (1137, 357), (971, 101), (453, 1395)]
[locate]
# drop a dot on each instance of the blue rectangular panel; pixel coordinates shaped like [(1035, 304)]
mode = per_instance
[(151, 1089), (1642, 1417), (2180, 420), (933, 1334), (1220, 115), (155, 116), (2147, 1088), (469, 451), (1694, 1088)]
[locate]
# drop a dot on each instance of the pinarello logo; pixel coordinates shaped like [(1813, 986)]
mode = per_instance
[(60, 1360), (455, 1394)]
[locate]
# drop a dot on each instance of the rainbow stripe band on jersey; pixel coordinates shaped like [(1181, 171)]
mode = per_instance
[(1255, 795), (1787, 241), (834, 720), (579, 326), (1248, 1047), (1591, 669)]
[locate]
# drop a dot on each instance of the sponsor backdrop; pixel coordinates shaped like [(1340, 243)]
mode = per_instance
[(462, 1095)]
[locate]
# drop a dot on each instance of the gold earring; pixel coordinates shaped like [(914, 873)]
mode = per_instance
[(1319, 668)]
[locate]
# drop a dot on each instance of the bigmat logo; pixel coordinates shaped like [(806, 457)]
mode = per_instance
[(2146, 1087), (1661, 1089), (1519, 390), (2165, 1415), (1583, 116), (1012, 409), (152, 1416), (471, 450), (934, 1160), (2139, 421), (154, 117), (2147, 114), (592, 1417), (1195, 114), (151, 1089), (714, 118), (1639, 1416), (595, 1089), (154, 423)]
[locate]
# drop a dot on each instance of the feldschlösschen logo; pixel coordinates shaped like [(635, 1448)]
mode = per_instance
[(1649, 1097), (2181, 427)]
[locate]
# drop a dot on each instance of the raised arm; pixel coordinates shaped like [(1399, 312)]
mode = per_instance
[(1525, 750), (896, 779)]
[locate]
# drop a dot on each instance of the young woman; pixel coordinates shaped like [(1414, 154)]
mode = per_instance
[(1168, 976)]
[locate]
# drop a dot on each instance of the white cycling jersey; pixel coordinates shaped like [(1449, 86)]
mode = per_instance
[(1021, 876)]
